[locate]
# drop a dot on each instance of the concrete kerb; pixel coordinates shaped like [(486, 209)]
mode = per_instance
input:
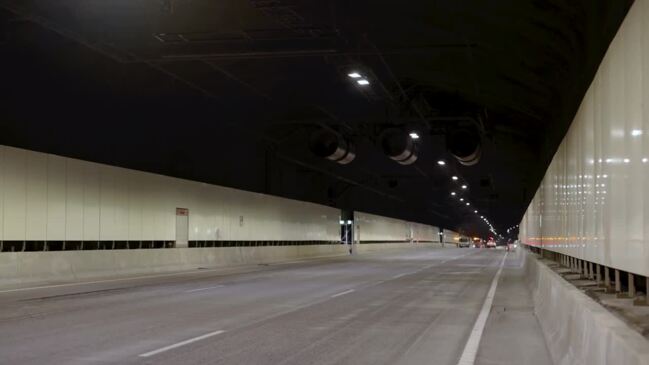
[(577, 329)]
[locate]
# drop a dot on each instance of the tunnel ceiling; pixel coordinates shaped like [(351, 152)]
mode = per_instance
[(229, 92)]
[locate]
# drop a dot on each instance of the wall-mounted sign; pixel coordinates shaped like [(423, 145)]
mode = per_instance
[(182, 211)]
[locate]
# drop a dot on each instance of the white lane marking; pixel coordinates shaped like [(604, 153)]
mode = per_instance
[(179, 344), (471, 348), (427, 267), (343, 293), (201, 289)]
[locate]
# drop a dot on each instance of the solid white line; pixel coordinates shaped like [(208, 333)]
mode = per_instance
[(179, 344), (201, 289), (342, 293), (471, 348)]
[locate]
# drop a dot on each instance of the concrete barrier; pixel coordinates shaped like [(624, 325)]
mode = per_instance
[(368, 247), (578, 330), (18, 269), (9, 269)]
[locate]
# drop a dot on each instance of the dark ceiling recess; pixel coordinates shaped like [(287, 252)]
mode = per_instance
[(241, 93)]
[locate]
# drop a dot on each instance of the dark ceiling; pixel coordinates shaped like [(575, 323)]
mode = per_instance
[(229, 91)]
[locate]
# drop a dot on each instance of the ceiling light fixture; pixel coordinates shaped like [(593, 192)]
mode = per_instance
[(354, 75), (454, 178), (464, 186), (414, 135), (441, 162), (363, 82)]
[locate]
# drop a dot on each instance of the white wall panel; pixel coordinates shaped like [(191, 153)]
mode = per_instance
[(147, 200), (122, 185), (383, 229), (450, 236), (74, 200), (593, 202), (46, 197), (107, 204), (168, 197), (15, 194), (135, 206), (36, 197), (56, 198), (378, 228), (424, 233), (91, 201), (2, 189), (213, 218)]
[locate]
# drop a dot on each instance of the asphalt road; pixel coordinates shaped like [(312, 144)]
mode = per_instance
[(415, 306)]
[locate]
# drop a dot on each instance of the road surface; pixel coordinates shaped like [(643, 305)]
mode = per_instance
[(415, 306)]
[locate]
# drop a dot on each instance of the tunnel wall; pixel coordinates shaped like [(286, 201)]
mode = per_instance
[(451, 236), (51, 198), (48, 198), (424, 233), (374, 228), (593, 202)]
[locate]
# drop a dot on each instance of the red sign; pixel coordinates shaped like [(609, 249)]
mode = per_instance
[(182, 211)]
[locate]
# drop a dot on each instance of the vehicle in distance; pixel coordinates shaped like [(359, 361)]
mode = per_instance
[(491, 243), (464, 242)]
